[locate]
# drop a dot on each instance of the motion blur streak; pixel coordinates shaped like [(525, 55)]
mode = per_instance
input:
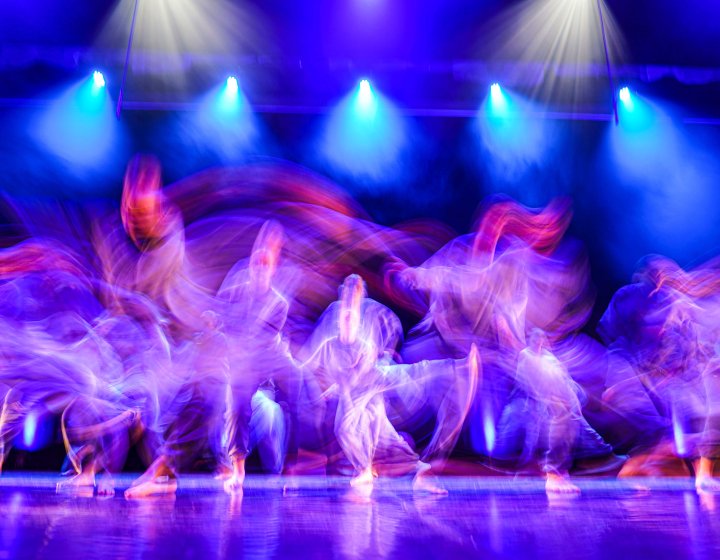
[(248, 309)]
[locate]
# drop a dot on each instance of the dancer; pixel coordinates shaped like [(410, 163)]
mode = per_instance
[(254, 319), (189, 416), (664, 328), (350, 357), (543, 419)]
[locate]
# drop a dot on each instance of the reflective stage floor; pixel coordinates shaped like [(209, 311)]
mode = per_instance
[(479, 518)]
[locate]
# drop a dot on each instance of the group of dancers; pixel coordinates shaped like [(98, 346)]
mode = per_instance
[(230, 313)]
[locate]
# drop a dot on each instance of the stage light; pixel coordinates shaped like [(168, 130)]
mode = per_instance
[(498, 106), (229, 102), (170, 29), (627, 101), (365, 93), (515, 139), (232, 85), (98, 79), (365, 103), (567, 34), (364, 133), (224, 121), (79, 126), (625, 96)]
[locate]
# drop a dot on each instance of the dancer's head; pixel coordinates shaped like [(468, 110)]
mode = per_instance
[(266, 254), (537, 340), (142, 200), (263, 264), (271, 237), (352, 293)]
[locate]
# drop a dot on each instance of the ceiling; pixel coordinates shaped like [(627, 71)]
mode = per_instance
[(316, 47), (672, 32)]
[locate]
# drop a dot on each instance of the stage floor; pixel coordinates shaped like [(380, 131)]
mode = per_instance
[(479, 518)]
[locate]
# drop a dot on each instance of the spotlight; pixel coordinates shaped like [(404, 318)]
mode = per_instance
[(232, 84), (365, 93), (366, 104), (79, 126), (364, 133), (498, 105), (625, 96), (98, 79)]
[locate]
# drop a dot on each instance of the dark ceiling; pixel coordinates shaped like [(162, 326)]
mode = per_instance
[(670, 32), (396, 38)]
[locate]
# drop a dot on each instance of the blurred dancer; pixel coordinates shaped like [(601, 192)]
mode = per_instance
[(189, 418), (254, 319), (189, 383), (663, 326), (46, 366), (490, 288), (544, 416), (350, 357)]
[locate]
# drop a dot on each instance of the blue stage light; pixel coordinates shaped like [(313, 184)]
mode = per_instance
[(627, 102), (515, 139), (498, 106), (625, 96), (98, 79), (80, 125), (230, 101), (224, 121), (364, 133), (232, 85), (365, 93)]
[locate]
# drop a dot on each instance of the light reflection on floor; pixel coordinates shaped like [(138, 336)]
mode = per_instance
[(480, 518)]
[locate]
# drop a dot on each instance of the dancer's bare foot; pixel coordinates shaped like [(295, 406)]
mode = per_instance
[(159, 486), (158, 480), (707, 484), (425, 482), (559, 484), (159, 467), (704, 479), (83, 480), (364, 479), (361, 486), (234, 484)]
